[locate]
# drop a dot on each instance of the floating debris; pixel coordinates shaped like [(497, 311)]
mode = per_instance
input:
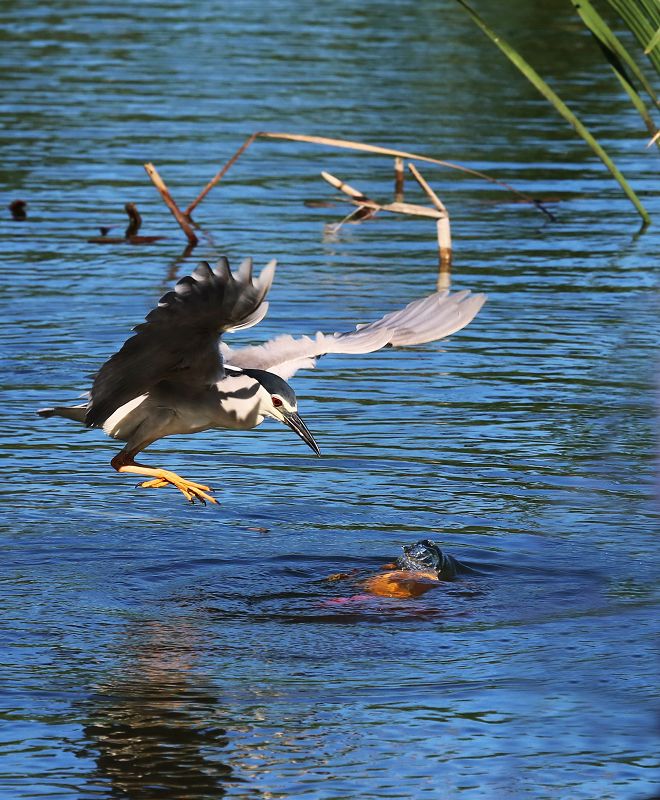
[(134, 220), (18, 210), (105, 239), (131, 235)]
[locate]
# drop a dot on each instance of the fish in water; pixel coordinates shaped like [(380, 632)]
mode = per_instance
[(422, 567)]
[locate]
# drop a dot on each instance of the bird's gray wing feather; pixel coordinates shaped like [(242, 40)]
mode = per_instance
[(425, 320), (178, 342)]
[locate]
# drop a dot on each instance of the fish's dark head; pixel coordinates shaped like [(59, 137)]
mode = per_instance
[(424, 555)]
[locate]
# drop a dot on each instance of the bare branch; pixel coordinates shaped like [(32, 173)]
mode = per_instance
[(366, 148), (444, 230), (169, 202), (362, 200), (444, 253), (388, 151), (431, 194), (220, 175)]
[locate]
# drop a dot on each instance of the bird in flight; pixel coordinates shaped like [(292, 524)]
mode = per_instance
[(175, 375)]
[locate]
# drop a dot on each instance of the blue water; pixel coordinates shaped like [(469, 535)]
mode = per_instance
[(153, 649)]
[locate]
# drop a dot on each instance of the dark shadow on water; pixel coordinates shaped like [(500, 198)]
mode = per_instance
[(154, 729)]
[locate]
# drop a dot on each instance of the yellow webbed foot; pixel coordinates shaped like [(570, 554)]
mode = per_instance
[(163, 477), (189, 489), (156, 483)]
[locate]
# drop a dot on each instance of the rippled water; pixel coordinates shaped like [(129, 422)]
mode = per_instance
[(153, 649)]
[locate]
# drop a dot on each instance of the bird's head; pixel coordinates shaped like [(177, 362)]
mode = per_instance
[(278, 401)]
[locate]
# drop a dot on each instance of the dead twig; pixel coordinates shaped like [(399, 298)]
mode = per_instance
[(134, 220), (398, 179), (433, 197), (366, 208), (388, 151), (220, 175), (438, 212), (444, 230), (359, 214), (360, 199), (355, 194), (169, 202), (366, 148), (444, 254)]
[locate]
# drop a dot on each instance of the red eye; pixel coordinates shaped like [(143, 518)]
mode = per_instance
[(276, 401)]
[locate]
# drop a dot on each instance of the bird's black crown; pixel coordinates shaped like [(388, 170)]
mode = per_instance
[(273, 384)]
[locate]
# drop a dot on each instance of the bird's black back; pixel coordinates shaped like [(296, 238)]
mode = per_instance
[(178, 342)]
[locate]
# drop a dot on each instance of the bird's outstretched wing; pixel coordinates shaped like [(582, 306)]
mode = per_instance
[(421, 321), (178, 342)]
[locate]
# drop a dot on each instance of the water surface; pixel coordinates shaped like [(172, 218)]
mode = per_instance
[(152, 649)]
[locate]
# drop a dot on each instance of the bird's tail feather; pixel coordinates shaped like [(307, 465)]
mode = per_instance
[(76, 413)]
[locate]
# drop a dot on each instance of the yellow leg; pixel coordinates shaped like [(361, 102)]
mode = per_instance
[(163, 477)]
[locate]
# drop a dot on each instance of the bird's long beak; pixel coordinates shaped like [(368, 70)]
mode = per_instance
[(296, 424)]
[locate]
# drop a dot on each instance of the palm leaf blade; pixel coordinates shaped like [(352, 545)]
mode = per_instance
[(642, 27), (537, 81), (611, 44)]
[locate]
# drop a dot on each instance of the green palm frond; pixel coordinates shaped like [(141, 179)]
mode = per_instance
[(537, 81)]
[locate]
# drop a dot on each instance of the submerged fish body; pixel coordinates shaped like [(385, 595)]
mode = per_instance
[(422, 567)]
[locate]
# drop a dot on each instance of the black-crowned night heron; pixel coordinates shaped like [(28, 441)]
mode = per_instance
[(175, 376)]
